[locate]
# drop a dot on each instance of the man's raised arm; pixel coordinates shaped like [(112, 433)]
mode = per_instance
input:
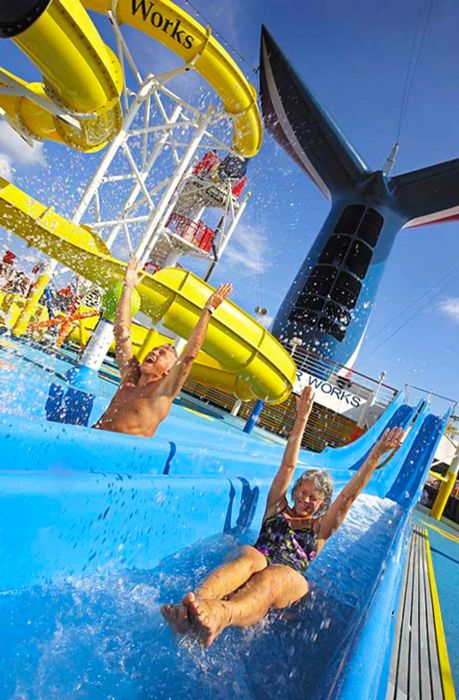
[(179, 373), (124, 355)]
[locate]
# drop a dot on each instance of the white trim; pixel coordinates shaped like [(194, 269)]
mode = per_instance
[(435, 217), (285, 125)]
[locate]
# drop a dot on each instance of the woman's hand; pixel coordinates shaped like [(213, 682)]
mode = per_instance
[(391, 439), (304, 402), (132, 274), (219, 295)]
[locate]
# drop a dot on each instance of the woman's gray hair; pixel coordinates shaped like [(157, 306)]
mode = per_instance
[(322, 482)]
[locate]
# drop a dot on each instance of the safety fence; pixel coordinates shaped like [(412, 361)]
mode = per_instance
[(326, 426), (196, 232), (439, 404)]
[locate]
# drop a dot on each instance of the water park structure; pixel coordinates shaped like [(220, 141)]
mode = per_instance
[(158, 223), (98, 528)]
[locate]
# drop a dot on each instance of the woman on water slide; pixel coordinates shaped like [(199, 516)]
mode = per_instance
[(271, 573)]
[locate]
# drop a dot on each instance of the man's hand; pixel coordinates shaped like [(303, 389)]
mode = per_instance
[(219, 295), (132, 274), (304, 402), (390, 440)]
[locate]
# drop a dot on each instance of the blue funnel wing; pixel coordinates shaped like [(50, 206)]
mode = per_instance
[(429, 195), (301, 125)]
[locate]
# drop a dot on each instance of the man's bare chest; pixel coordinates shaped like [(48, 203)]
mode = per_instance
[(139, 400)]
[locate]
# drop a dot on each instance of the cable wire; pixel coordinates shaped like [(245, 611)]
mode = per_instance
[(413, 63), (441, 284)]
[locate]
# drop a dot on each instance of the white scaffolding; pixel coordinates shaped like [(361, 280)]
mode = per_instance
[(143, 198)]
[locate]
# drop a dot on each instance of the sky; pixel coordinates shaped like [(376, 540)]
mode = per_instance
[(355, 57)]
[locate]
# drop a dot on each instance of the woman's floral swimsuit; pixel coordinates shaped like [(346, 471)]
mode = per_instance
[(281, 544)]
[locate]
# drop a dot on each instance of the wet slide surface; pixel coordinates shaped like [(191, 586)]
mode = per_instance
[(96, 534), (101, 635)]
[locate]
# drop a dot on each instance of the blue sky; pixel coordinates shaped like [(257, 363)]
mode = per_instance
[(354, 56)]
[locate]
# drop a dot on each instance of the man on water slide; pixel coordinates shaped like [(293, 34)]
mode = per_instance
[(146, 391)]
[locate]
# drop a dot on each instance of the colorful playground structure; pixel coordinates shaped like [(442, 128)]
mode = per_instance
[(98, 528)]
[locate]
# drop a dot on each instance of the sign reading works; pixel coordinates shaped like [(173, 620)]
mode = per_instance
[(330, 395), (173, 27)]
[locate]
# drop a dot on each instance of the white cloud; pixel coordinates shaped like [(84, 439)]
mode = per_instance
[(13, 147), (248, 251), (450, 308), (6, 166)]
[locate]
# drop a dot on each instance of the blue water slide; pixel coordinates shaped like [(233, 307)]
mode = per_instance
[(396, 414), (203, 446), (369, 680), (98, 529)]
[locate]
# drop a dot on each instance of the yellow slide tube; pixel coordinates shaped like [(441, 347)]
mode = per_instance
[(167, 23), (82, 74), (246, 350)]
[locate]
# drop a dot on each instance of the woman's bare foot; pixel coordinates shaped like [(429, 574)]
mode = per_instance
[(176, 617), (208, 617)]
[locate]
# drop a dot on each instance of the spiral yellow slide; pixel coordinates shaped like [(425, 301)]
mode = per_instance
[(245, 359), (82, 75)]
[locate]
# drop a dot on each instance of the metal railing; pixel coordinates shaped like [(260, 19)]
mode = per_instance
[(325, 427), (359, 384), (439, 404), (195, 232)]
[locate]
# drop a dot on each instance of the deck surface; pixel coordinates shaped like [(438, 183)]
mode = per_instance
[(415, 664)]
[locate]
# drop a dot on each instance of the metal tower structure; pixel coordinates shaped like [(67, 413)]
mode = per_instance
[(168, 170)]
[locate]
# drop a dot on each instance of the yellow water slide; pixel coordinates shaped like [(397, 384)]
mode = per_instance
[(245, 359), (82, 74)]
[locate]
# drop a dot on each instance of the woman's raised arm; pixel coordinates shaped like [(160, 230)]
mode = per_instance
[(277, 500), (333, 518)]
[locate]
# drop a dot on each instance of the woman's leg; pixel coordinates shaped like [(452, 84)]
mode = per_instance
[(276, 587), (221, 582), (230, 576)]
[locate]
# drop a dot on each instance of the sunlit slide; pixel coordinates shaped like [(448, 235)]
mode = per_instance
[(253, 364), (82, 75), (99, 529)]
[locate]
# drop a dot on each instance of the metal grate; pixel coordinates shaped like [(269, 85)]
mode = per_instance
[(415, 666)]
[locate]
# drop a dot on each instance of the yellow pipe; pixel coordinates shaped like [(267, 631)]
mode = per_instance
[(31, 306), (82, 74), (444, 492), (434, 475)]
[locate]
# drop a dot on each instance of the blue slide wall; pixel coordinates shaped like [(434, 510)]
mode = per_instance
[(103, 527)]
